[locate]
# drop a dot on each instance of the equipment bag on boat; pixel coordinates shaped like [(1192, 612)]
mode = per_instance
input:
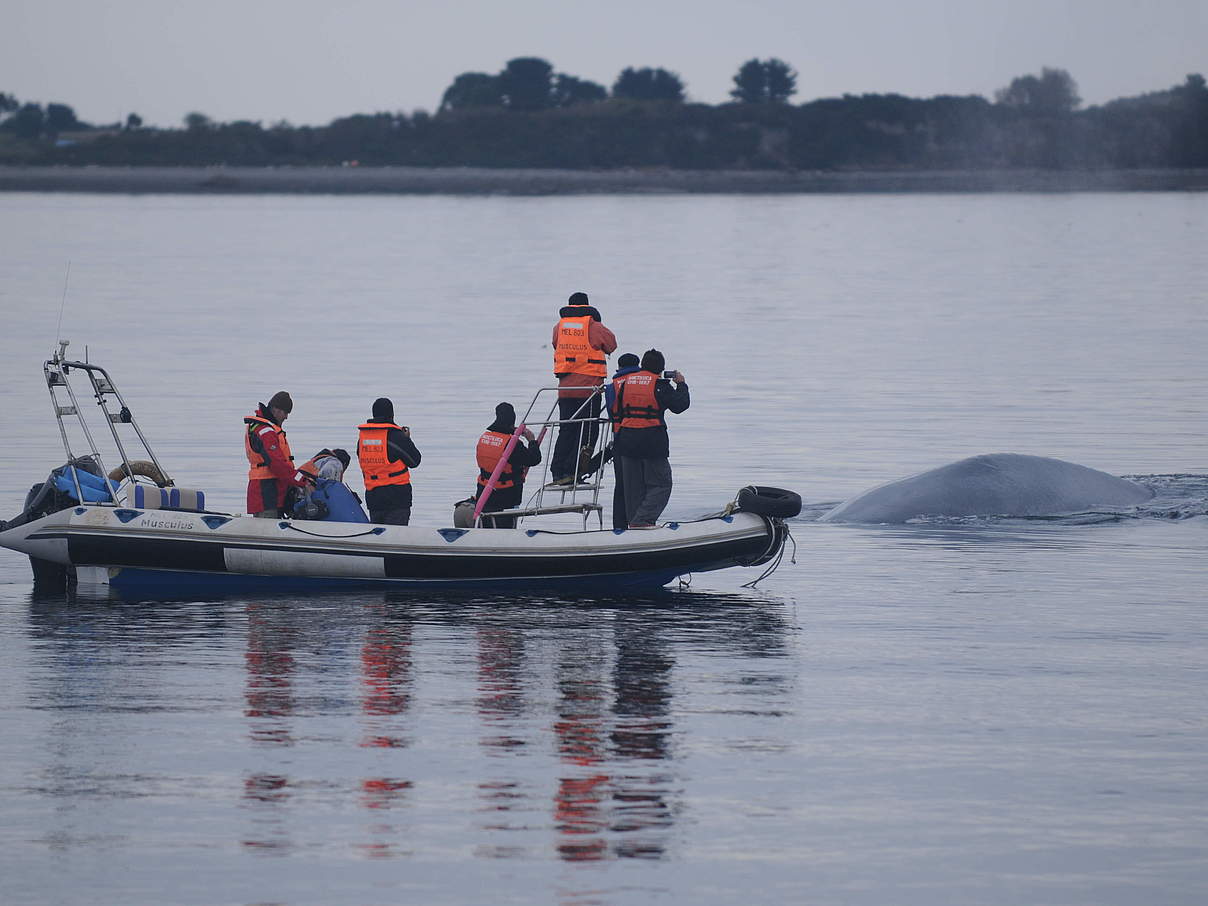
[(330, 501), (94, 488)]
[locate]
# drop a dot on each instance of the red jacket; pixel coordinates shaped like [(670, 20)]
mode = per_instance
[(600, 337), (266, 440)]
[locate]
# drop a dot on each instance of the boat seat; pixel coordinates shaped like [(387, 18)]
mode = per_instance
[(149, 497)]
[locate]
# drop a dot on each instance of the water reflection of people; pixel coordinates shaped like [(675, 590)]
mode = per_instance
[(581, 730), (500, 683), (270, 706), (385, 681), (641, 733), (601, 726), (386, 676)]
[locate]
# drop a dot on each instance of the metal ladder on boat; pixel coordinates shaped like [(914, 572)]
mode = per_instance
[(584, 496), (66, 403)]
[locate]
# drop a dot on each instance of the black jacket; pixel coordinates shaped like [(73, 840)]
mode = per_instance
[(400, 449), (653, 443)]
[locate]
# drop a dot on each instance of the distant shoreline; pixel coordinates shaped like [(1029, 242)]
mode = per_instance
[(485, 181)]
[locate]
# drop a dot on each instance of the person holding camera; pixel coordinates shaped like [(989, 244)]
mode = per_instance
[(386, 455), (642, 444), (627, 364), (508, 491)]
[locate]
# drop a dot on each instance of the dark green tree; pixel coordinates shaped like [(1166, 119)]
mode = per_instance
[(1053, 91), (569, 90), (28, 122), (8, 103), (133, 121), (1195, 85), (61, 118), (473, 89), (782, 80), (527, 83), (197, 122), (648, 84), (769, 81)]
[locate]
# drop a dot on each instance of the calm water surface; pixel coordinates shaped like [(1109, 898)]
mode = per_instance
[(992, 712)]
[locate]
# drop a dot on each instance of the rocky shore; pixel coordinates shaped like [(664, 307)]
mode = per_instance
[(484, 181)]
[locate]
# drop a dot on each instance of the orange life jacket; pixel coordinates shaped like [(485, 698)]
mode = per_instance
[(309, 469), (374, 457), (258, 459), (636, 403), (615, 412), (490, 448), (574, 353)]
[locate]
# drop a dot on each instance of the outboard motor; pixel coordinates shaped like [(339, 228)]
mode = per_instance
[(56, 493), (42, 500)]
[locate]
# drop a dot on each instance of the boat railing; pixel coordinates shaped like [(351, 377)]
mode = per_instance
[(66, 404), (582, 494)]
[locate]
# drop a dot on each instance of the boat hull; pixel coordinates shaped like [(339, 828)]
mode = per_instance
[(129, 548)]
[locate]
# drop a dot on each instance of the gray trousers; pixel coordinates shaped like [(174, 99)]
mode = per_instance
[(647, 488)]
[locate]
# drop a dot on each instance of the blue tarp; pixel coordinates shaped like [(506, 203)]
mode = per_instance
[(95, 488)]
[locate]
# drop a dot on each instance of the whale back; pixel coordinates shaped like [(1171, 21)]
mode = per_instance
[(993, 484)]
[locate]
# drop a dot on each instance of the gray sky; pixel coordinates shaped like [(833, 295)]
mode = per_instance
[(309, 62)]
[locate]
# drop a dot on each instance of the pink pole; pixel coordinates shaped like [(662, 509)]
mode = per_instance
[(491, 482)]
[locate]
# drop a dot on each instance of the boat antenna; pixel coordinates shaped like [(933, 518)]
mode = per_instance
[(63, 304)]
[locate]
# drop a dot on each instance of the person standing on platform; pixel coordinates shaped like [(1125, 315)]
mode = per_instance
[(271, 473), (508, 492), (626, 365), (581, 346), (642, 443), (386, 455)]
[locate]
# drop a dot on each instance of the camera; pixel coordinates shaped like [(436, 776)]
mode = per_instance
[(669, 374)]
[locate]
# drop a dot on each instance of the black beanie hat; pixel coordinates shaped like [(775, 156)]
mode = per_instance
[(383, 409), (577, 299), (281, 400), (505, 419), (342, 455), (628, 360), (652, 360)]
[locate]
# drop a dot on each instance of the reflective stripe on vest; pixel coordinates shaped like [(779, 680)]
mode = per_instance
[(258, 459), (636, 403), (374, 457), (490, 448), (574, 353)]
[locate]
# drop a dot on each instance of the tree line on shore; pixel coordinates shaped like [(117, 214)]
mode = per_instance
[(528, 115)]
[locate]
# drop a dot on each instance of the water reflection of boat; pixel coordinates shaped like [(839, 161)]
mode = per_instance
[(568, 730), (126, 531)]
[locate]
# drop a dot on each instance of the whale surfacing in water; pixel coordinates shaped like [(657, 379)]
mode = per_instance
[(994, 484)]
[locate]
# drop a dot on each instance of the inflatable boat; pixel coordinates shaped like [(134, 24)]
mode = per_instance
[(132, 528)]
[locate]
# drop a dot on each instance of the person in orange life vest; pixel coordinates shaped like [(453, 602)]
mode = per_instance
[(327, 464), (626, 364), (386, 455), (508, 492), (581, 343), (272, 473), (642, 444)]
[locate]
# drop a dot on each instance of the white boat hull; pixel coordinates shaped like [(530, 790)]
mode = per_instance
[(132, 548)]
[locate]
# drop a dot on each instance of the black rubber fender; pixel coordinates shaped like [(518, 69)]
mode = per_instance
[(777, 503)]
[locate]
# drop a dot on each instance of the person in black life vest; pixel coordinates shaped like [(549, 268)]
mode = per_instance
[(386, 455), (627, 364), (642, 445), (581, 345), (272, 474), (508, 492)]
